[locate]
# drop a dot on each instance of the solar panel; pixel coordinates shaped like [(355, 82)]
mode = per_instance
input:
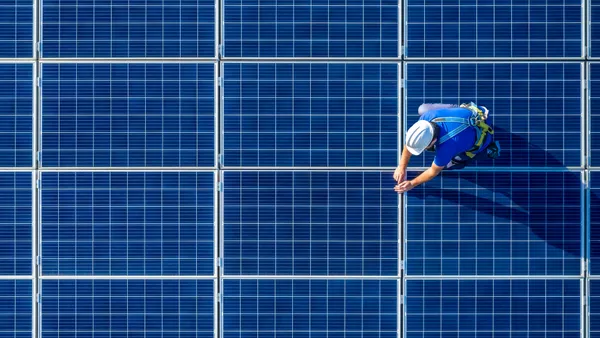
[(16, 309), (127, 223), (594, 114), (594, 308), (16, 29), (495, 223), (316, 28), (127, 308), (317, 115), (535, 108), (133, 28), (593, 28), (485, 308), (317, 308), (520, 29), (310, 223), (128, 115), (16, 113), (16, 198), (594, 223)]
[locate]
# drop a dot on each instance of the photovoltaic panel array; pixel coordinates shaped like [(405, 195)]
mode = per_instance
[(127, 308), (134, 28), (16, 29), (594, 223), (594, 308), (311, 28), (16, 113), (495, 223), (318, 308), (594, 28), (535, 108), (501, 307), (594, 114), (486, 29), (128, 115), (16, 310), (315, 115), (16, 200), (128, 223), (310, 223)]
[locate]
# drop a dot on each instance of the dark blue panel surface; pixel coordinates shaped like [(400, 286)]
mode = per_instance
[(317, 28), (493, 308), (594, 226), (15, 312), (127, 308), (594, 114), (317, 308), (594, 308), (16, 198), (16, 113), (16, 28), (127, 223), (133, 28), (594, 28), (466, 28), (310, 115), (502, 223), (535, 108), (310, 223), (128, 115)]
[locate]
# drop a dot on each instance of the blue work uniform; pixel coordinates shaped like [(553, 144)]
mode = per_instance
[(459, 144)]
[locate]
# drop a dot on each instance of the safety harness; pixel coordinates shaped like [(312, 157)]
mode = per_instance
[(476, 120)]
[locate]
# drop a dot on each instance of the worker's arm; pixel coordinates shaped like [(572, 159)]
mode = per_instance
[(425, 176), (400, 173)]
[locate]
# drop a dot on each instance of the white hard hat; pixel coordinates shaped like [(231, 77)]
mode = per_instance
[(419, 136)]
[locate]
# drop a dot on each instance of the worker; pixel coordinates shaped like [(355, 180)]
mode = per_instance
[(458, 135)]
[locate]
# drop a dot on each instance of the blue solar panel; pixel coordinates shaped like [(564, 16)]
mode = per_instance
[(466, 28), (594, 308), (594, 29), (310, 115), (16, 310), (594, 226), (535, 108), (127, 223), (133, 28), (127, 308), (303, 308), (493, 308), (310, 223), (594, 114), (128, 115), (495, 223), (16, 198), (16, 29), (16, 113), (315, 28)]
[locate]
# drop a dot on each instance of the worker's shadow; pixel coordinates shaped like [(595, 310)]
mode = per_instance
[(521, 198)]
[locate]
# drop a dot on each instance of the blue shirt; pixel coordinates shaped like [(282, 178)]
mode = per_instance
[(458, 144)]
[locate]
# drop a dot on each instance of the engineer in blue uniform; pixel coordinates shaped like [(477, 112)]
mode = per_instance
[(457, 134)]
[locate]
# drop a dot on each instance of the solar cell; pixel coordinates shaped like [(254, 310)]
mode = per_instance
[(501, 307), (594, 308), (495, 223), (16, 113), (133, 28), (535, 108), (310, 223), (128, 115), (16, 197), (127, 223), (594, 223), (16, 29), (594, 28), (594, 114), (485, 29), (16, 309), (310, 115), (319, 308), (316, 28), (127, 308)]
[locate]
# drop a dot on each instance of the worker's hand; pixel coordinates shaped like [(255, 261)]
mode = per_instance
[(400, 175), (404, 187)]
